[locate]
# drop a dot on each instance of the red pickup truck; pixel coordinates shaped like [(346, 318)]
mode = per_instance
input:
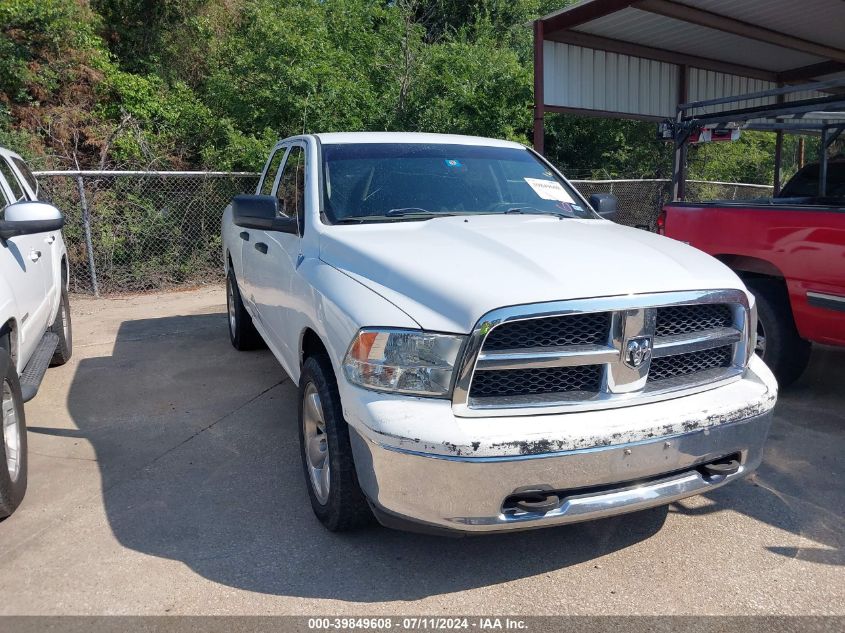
[(790, 251)]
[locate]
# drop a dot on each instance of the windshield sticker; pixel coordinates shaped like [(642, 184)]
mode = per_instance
[(451, 162), (549, 190)]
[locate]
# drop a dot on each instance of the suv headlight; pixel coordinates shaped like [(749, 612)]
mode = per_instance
[(403, 361)]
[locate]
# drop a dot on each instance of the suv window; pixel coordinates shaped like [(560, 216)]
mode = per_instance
[(4, 202), (24, 169), (291, 192), (272, 170), (12, 180)]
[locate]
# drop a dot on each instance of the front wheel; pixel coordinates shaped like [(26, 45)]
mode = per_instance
[(778, 342), (327, 462), (13, 456), (242, 332), (63, 328)]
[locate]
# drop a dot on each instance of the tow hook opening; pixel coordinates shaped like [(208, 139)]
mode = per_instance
[(722, 467), (533, 501)]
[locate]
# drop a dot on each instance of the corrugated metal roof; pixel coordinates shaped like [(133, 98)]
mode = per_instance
[(814, 20), (631, 80), (639, 27)]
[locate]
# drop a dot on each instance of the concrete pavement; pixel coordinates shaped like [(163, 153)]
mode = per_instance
[(164, 477)]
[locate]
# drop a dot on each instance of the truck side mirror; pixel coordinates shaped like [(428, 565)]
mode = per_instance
[(261, 212), (26, 218), (605, 204)]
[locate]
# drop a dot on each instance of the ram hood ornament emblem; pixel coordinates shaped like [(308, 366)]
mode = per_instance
[(637, 351)]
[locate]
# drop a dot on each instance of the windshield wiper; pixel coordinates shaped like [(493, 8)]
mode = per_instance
[(406, 211), (535, 211), (395, 217)]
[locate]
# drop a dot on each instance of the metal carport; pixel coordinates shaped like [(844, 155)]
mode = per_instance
[(643, 59)]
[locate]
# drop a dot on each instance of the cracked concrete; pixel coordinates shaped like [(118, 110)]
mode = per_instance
[(165, 478)]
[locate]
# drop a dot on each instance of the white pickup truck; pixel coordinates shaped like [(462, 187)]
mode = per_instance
[(477, 348), (35, 326)]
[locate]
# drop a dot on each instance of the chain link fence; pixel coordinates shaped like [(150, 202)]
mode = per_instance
[(641, 200), (142, 231)]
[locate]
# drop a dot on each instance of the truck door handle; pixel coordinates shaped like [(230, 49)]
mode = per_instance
[(245, 236), (35, 255), (261, 247)]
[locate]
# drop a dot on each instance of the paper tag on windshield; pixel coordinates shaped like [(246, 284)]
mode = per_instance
[(549, 190)]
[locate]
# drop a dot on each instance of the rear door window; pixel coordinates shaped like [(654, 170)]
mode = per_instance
[(270, 176), (12, 180), (27, 174), (291, 192), (4, 202)]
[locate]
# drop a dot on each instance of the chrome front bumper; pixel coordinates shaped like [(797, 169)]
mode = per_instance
[(418, 462), (471, 494)]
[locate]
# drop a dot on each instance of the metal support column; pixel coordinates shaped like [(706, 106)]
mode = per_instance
[(679, 166), (539, 93), (89, 242), (778, 152), (823, 143)]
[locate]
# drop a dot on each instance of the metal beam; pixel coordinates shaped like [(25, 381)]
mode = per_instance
[(837, 131), (806, 73), (539, 91), (605, 114), (582, 13), (679, 159), (727, 24), (771, 111), (791, 128), (587, 40), (771, 92), (778, 154)]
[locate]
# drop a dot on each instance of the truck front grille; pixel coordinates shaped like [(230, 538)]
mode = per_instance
[(692, 318), (522, 382), (602, 352), (575, 329), (685, 364)]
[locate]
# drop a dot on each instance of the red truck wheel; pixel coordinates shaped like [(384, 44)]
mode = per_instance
[(780, 345)]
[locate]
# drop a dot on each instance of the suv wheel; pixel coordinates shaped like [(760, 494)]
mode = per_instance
[(327, 462), (778, 341), (63, 328), (242, 332), (13, 457)]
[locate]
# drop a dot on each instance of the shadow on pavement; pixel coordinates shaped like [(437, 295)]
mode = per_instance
[(197, 447), (799, 485)]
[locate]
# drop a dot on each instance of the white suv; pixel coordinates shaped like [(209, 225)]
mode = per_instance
[(35, 327)]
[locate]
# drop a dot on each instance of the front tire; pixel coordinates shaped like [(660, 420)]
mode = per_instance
[(13, 454), (778, 342), (63, 328), (242, 332), (328, 466)]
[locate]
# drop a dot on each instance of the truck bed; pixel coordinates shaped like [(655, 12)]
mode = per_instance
[(787, 238)]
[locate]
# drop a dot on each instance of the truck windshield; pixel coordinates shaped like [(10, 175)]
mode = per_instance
[(806, 182), (385, 182)]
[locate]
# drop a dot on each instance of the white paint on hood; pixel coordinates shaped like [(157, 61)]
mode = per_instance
[(448, 272)]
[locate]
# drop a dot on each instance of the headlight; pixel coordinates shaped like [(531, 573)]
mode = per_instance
[(752, 330), (403, 361)]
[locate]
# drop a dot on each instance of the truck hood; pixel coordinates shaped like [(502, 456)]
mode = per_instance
[(446, 273)]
